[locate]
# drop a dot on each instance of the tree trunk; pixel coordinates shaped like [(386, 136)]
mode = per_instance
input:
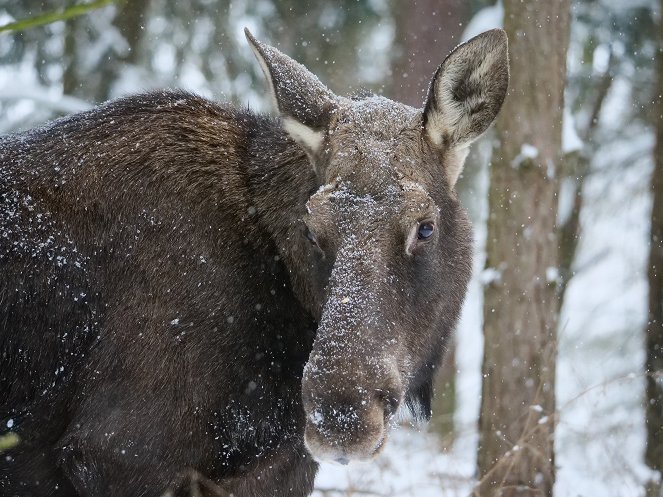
[(70, 81), (426, 31), (654, 361), (516, 426), (129, 20)]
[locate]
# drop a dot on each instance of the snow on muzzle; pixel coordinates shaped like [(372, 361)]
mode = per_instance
[(351, 384), (347, 407)]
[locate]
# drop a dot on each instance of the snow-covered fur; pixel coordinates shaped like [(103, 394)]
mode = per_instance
[(193, 293)]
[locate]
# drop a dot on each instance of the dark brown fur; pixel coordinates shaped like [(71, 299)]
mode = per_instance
[(159, 298)]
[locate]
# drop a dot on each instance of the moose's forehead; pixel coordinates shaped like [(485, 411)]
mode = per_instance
[(373, 142), (346, 206), (404, 199), (375, 115)]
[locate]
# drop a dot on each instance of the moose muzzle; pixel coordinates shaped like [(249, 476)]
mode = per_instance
[(348, 405)]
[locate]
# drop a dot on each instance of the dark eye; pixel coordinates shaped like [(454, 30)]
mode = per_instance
[(425, 230)]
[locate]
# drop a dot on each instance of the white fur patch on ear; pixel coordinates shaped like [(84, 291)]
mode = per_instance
[(450, 113), (453, 114), (455, 162), (302, 134), (438, 125)]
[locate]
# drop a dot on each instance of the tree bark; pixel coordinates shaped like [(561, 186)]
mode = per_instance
[(654, 361), (130, 20), (426, 31), (517, 420), (70, 81)]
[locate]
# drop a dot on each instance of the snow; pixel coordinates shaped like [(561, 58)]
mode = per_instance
[(46, 96), (527, 152), (409, 456), (567, 189), (490, 275), (552, 274), (25, 102), (601, 58), (487, 18), (571, 142), (600, 434), (374, 53)]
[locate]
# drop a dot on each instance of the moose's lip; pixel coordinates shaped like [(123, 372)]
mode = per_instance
[(338, 454)]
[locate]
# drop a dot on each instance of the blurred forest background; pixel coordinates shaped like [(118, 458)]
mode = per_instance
[(566, 195)]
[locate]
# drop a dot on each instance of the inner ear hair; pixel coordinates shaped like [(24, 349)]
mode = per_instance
[(467, 90)]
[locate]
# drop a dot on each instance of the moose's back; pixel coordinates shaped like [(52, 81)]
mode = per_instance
[(79, 200), (129, 251)]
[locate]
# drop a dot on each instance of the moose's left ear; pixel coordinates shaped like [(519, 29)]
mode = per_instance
[(305, 104), (467, 90)]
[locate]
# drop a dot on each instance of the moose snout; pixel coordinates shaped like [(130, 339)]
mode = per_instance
[(347, 414)]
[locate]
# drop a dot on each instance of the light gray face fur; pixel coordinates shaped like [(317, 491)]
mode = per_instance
[(385, 170)]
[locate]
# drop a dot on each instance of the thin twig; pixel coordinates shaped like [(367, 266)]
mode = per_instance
[(54, 16)]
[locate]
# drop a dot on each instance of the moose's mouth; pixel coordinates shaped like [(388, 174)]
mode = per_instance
[(346, 428), (348, 399), (346, 448)]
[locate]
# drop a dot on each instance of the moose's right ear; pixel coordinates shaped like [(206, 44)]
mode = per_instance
[(467, 90), (305, 104)]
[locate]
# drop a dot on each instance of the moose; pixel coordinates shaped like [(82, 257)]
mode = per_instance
[(189, 291)]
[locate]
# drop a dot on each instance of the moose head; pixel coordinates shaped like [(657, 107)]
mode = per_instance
[(389, 245)]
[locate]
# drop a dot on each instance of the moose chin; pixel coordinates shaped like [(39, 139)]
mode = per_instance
[(189, 290)]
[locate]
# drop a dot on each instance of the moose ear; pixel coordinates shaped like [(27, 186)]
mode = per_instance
[(466, 92), (305, 104)]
